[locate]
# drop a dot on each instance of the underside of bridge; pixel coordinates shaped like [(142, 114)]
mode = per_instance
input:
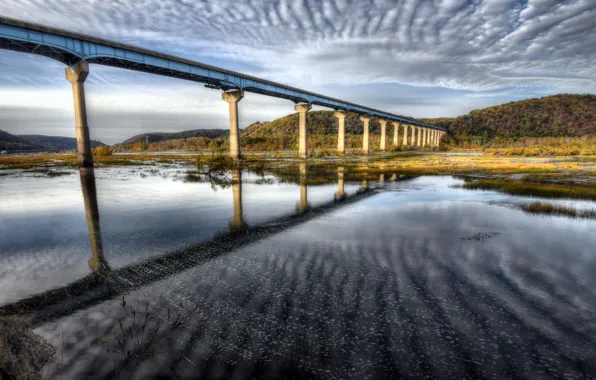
[(77, 51)]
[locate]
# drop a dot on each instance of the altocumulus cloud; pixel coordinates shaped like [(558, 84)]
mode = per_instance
[(465, 53)]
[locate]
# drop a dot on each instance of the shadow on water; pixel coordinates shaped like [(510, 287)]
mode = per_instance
[(411, 307)]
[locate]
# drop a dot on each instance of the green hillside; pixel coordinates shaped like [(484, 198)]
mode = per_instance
[(55, 142), (318, 123), (10, 142), (553, 116), (154, 137)]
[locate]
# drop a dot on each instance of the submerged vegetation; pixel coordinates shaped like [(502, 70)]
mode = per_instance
[(553, 209)]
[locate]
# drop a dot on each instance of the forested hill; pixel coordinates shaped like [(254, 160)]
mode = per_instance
[(557, 115), (11, 142), (161, 136), (318, 123)]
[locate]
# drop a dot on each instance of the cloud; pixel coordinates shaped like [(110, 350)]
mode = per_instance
[(480, 46)]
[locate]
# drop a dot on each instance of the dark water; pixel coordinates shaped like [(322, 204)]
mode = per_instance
[(261, 279)]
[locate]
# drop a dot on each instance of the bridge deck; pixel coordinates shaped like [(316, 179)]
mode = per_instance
[(70, 48)]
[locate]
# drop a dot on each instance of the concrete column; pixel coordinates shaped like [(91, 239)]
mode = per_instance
[(302, 109), (405, 135), (425, 137), (413, 132), (76, 75), (233, 97), (340, 194), (302, 206), (383, 146), (237, 221), (341, 131), (419, 135), (395, 133), (97, 262), (365, 146)]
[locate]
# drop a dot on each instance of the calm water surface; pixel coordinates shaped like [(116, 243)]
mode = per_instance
[(259, 278)]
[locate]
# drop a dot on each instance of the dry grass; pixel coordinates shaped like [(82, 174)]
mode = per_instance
[(533, 189), (22, 353), (404, 163), (552, 209)]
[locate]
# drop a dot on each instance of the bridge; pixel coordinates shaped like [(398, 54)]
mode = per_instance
[(77, 51)]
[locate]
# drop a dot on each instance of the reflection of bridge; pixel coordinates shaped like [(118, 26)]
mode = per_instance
[(77, 51), (104, 282)]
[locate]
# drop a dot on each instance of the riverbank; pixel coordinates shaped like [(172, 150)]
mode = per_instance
[(406, 162)]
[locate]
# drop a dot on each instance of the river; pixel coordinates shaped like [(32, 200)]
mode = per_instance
[(146, 272)]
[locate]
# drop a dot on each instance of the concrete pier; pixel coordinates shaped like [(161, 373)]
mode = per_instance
[(413, 131), (419, 135), (233, 97), (97, 262), (303, 205), (365, 145), (425, 137), (395, 133), (405, 135), (340, 194), (383, 145), (76, 75), (236, 223), (302, 109), (341, 131)]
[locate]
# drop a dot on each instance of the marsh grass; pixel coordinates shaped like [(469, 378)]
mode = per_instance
[(532, 189), (51, 173), (136, 338), (553, 209), (537, 169)]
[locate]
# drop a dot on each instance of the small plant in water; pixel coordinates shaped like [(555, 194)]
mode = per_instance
[(553, 209), (137, 336)]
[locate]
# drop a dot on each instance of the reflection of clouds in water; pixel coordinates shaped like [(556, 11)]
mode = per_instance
[(45, 238), (394, 293)]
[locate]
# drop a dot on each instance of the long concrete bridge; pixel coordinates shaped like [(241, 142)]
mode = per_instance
[(77, 51)]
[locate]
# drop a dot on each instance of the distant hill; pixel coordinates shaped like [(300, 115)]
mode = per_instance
[(318, 122), (557, 115), (159, 136), (11, 142), (56, 142)]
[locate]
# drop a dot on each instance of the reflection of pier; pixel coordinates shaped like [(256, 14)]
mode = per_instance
[(237, 221), (340, 195), (303, 205), (103, 283), (97, 262)]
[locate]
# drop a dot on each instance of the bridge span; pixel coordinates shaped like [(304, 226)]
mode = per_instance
[(77, 51)]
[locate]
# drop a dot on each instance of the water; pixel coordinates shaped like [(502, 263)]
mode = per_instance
[(261, 278)]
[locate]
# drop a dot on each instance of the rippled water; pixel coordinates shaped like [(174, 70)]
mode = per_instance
[(263, 279)]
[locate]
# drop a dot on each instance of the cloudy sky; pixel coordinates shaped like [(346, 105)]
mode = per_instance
[(422, 58)]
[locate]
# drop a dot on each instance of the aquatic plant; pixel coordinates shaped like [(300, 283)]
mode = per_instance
[(553, 209), (527, 188), (137, 337)]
